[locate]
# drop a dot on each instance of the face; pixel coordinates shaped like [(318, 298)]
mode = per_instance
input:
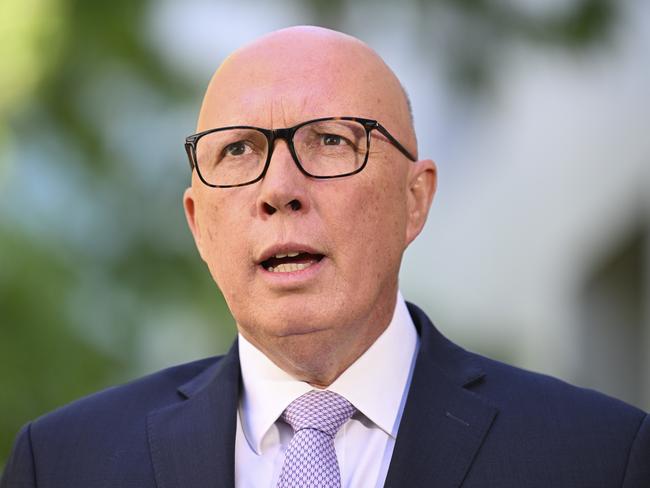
[(309, 267)]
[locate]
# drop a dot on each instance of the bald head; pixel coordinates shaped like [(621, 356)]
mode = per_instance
[(307, 72)]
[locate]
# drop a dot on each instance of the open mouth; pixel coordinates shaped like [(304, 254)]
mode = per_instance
[(290, 262)]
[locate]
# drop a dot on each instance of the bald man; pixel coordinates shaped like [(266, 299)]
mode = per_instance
[(306, 190)]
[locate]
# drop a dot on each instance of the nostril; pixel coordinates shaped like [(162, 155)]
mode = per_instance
[(269, 209), (295, 205)]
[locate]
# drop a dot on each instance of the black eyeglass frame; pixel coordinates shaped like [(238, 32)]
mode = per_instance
[(287, 134)]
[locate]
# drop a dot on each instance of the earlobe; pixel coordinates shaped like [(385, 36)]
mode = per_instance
[(423, 181), (189, 206)]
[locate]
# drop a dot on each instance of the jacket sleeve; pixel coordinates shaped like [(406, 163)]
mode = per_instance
[(637, 473), (19, 471)]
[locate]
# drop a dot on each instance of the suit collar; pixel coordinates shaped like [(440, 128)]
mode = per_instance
[(448, 359), (192, 442), (444, 423)]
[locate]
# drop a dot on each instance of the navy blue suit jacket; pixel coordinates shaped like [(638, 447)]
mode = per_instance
[(468, 421)]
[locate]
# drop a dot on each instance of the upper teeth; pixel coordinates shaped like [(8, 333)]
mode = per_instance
[(288, 255)]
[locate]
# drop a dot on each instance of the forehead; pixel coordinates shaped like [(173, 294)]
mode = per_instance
[(268, 86)]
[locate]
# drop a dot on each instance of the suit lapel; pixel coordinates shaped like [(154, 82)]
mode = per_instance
[(443, 424), (192, 442)]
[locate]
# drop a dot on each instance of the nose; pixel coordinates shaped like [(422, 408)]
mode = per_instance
[(284, 188)]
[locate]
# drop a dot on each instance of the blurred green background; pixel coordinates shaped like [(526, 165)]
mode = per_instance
[(99, 278)]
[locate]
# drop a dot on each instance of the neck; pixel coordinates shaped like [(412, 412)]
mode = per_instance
[(320, 357)]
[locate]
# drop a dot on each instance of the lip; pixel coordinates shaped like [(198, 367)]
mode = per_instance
[(287, 248), (290, 279)]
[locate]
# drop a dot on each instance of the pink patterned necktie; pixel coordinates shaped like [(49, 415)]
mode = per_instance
[(310, 460)]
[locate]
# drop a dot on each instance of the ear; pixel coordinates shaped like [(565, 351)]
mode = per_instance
[(422, 183), (189, 204)]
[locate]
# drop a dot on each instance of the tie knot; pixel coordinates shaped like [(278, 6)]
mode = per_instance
[(319, 409)]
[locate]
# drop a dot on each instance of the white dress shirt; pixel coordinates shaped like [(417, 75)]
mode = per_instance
[(376, 384)]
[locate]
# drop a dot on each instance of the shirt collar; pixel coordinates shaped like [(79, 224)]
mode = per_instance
[(374, 385)]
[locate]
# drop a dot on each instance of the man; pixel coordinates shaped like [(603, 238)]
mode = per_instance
[(305, 192)]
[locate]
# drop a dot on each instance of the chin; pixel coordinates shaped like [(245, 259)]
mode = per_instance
[(297, 314), (297, 322)]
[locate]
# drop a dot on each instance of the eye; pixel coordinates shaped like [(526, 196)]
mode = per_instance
[(332, 140), (235, 149)]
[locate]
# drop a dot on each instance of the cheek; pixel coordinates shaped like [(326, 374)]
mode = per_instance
[(222, 235), (375, 221)]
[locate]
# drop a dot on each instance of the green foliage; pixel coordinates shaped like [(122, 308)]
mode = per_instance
[(46, 363), (94, 249)]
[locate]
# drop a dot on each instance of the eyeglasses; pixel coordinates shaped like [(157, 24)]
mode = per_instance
[(330, 147)]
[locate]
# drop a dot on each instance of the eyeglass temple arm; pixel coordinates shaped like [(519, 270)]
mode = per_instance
[(190, 155), (395, 142)]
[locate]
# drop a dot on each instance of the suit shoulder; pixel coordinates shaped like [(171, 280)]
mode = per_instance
[(141, 395), (538, 416), (510, 387)]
